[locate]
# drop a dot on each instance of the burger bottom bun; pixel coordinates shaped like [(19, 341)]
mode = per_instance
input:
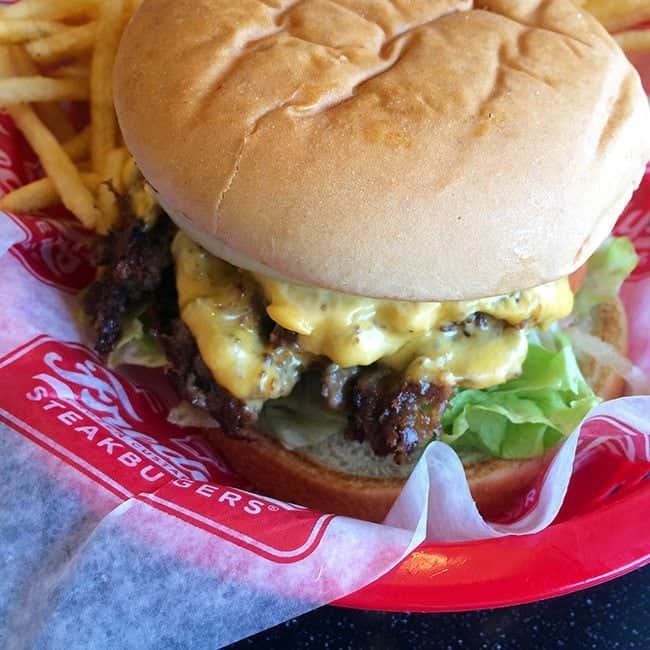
[(496, 485)]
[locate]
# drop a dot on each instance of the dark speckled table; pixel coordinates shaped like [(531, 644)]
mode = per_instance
[(610, 616)]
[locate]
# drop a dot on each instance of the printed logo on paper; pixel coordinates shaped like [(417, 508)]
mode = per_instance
[(635, 224), (60, 396), (56, 251), (18, 164), (619, 438), (614, 451), (604, 443), (277, 531)]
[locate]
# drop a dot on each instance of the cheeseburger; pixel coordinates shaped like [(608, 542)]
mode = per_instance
[(357, 227)]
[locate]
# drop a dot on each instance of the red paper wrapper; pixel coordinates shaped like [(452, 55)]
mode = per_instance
[(122, 530)]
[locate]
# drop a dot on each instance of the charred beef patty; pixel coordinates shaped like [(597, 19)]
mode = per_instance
[(194, 382), (395, 414), (135, 266), (392, 413)]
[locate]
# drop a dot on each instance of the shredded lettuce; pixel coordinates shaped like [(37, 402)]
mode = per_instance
[(303, 418), (137, 346), (525, 416), (607, 269)]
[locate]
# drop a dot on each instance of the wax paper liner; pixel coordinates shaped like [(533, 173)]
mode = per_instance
[(118, 529)]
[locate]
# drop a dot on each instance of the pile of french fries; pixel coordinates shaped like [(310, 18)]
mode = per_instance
[(622, 18), (53, 52)]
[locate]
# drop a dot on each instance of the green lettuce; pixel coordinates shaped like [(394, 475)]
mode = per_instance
[(607, 269), (303, 418), (137, 346), (523, 417)]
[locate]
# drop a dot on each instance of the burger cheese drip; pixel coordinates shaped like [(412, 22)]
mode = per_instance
[(476, 343), (218, 304)]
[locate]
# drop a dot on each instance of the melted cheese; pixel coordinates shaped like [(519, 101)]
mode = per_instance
[(352, 330), (218, 305), (487, 358)]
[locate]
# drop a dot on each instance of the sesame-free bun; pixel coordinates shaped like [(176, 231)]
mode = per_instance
[(496, 485), (342, 476), (418, 150)]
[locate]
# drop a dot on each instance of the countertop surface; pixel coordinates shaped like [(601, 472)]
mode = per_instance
[(612, 615)]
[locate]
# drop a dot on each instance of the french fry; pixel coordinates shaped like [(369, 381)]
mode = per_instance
[(52, 115), (19, 31), (18, 90), (115, 161), (63, 45), (103, 120), (6, 64), (49, 9), (76, 70), (78, 147), (617, 15), (40, 194), (129, 172), (74, 43), (57, 164), (131, 7), (636, 40)]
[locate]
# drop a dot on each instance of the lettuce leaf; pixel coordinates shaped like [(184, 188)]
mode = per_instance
[(607, 269), (137, 346), (525, 416), (303, 418)]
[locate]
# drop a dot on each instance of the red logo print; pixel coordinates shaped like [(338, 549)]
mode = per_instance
[(63, 399), (277, 531), (606, 432), (635, 224), (57, 252), (56, 249)]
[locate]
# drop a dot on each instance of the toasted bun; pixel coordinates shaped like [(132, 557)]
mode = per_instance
[(271, 469), (471, 152), (335, 479)]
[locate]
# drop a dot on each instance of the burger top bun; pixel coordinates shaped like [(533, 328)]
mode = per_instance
[(407, 149)]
